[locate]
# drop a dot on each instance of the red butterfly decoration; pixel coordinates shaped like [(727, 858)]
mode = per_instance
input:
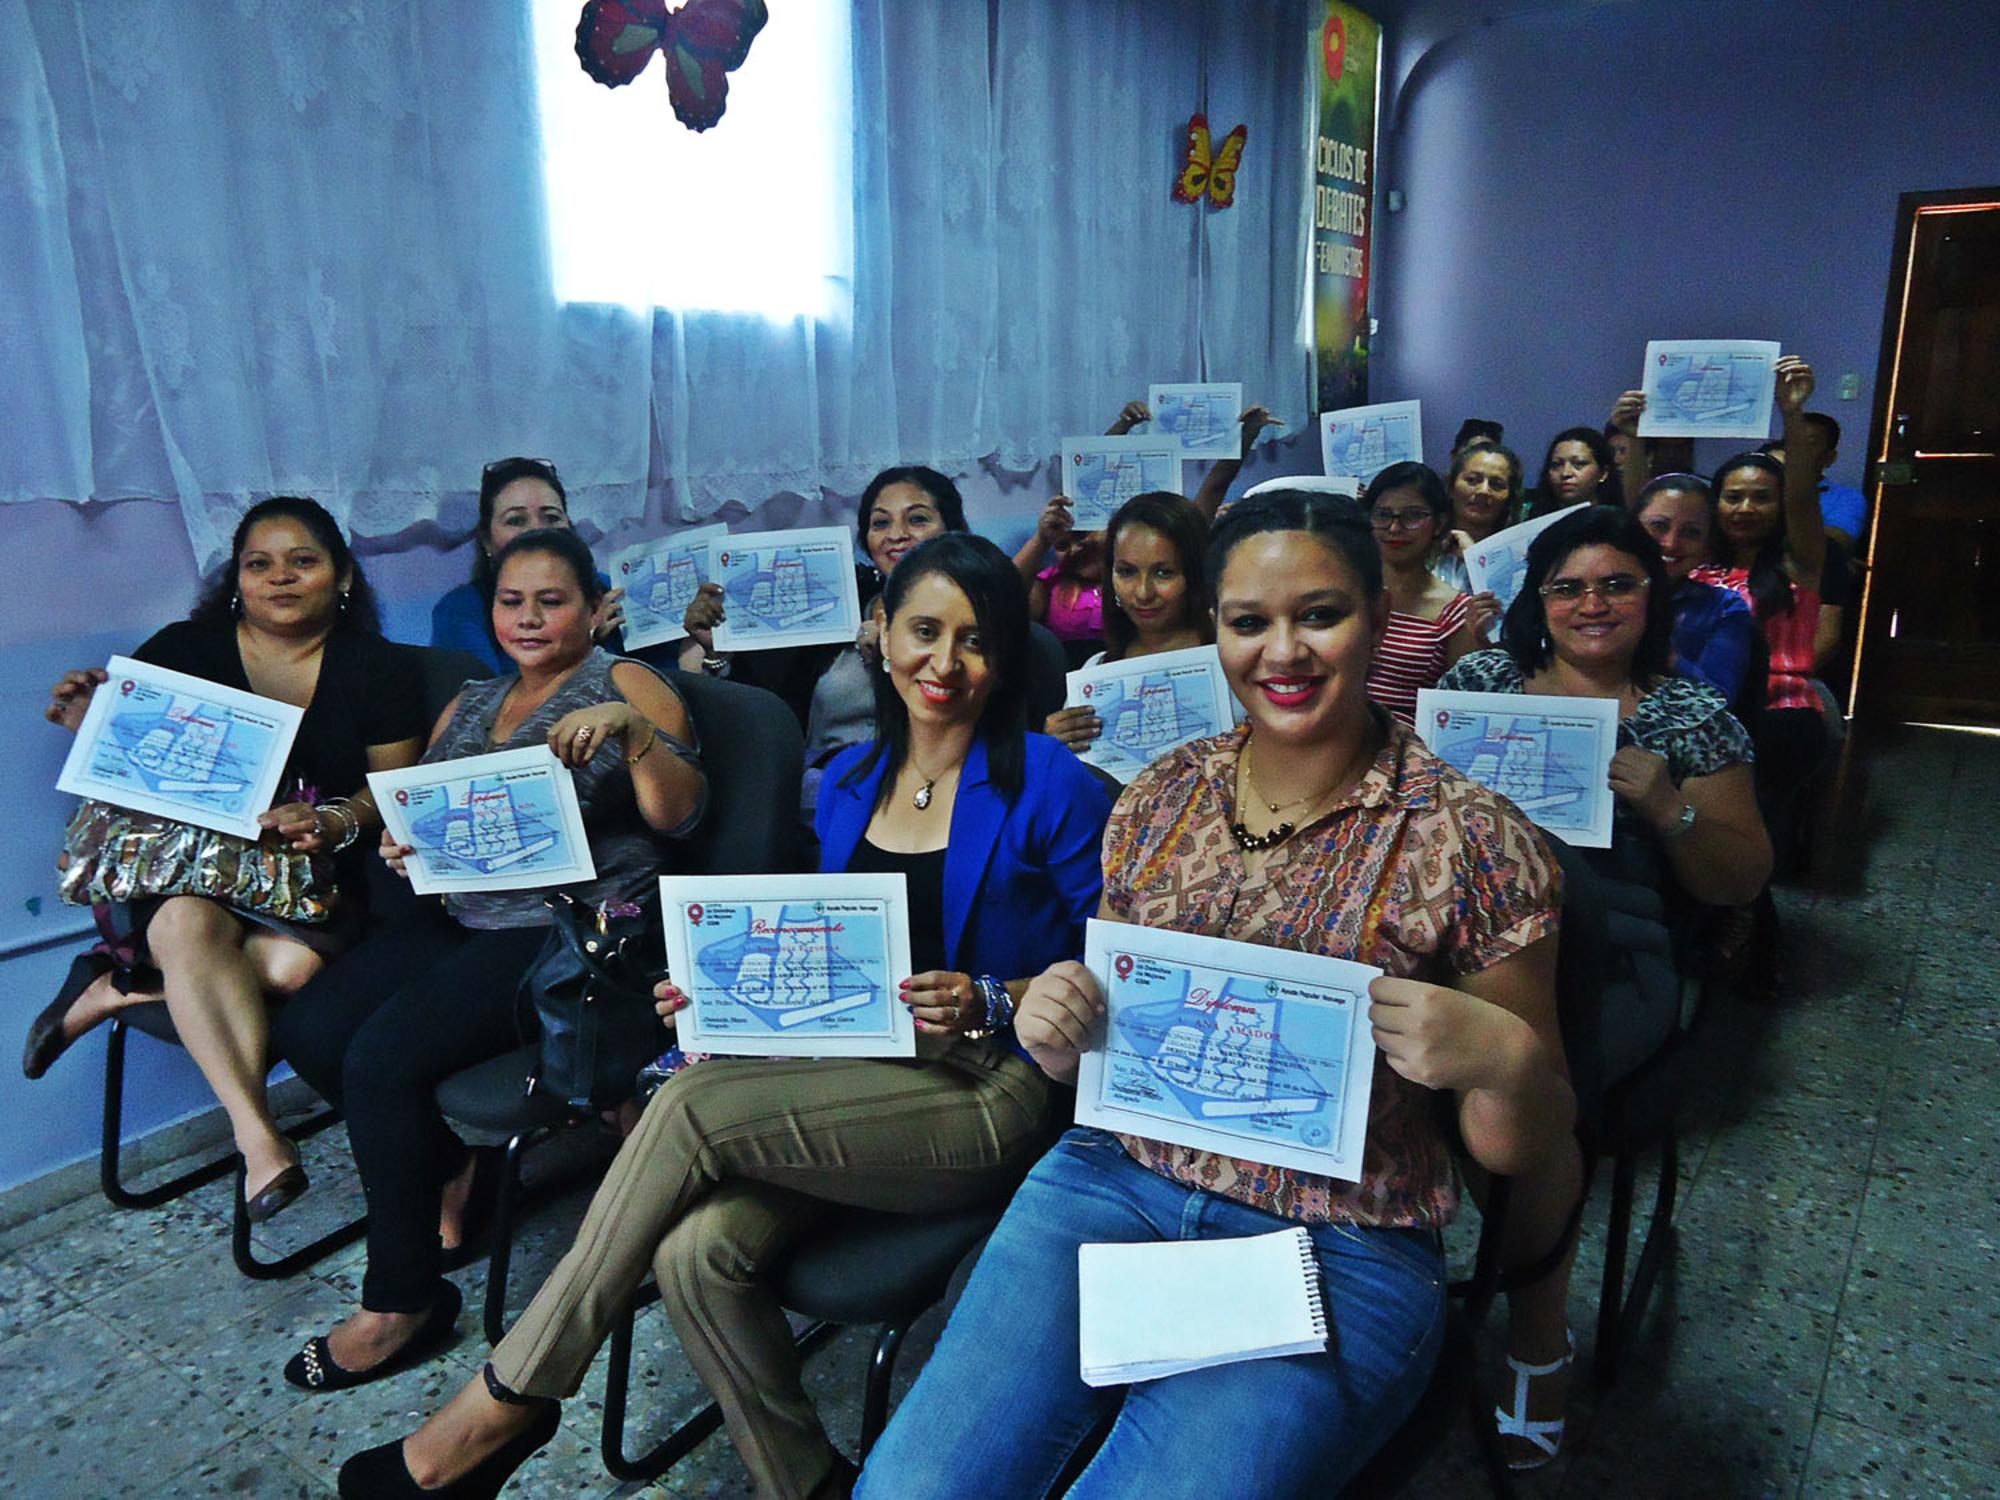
[(703, 42)]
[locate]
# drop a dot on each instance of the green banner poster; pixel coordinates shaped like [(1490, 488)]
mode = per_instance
[(1348, 50)]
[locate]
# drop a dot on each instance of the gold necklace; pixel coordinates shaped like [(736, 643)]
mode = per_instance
[(1271, 837), (921, 799)]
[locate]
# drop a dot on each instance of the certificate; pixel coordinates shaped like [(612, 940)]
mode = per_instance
[(1152, 704), (163, 742), (786, 588), (1206, 418), (1260, 1053), (660, 578), (790, 965), (1498, 565), (1550, 757), (1102, 473), (1362, 441), (501, 822), (1719, 388)]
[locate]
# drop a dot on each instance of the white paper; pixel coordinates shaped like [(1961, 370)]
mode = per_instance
[(1206, 418), (1162, 1307), (1362, 441), (790, 965), (502, 822), (660, 579), (786, 588), (1550, 757), (1149, 705), (181, 747), (1721, 388), (1102, 473), (1260, 1053), (1498, 565)]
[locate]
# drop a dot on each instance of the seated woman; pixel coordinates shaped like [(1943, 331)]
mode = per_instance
[(1378, 853), (1714, 632), (516, 496), (1068, 594), (1159, 601), (438, 992), (1431, 624), (735, 1159), (1771, 550), (1579, 469), (291, 617), (1594, 620), (1485, 488)]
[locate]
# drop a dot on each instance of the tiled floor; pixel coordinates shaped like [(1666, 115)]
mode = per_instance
[(1828, 1327)]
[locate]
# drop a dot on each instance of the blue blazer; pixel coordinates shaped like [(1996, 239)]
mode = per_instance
[(1020, 878)]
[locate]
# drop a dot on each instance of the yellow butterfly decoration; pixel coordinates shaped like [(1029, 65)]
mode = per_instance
[(1208, 172)]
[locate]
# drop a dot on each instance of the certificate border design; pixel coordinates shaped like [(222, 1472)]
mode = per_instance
[(386, 784)]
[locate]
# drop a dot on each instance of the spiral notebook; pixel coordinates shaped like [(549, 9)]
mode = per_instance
[(1168, 1306)]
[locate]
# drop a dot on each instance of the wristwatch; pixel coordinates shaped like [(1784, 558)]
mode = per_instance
[(1683, 823)]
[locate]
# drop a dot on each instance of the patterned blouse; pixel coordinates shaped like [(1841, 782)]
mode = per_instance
[(1418, 871), (1685, 722)]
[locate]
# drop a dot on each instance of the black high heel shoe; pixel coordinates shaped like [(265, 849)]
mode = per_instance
[(46, 1041), (313, 1367), (381, 1474)]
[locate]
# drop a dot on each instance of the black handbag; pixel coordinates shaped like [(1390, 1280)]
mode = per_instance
[(592, 990)]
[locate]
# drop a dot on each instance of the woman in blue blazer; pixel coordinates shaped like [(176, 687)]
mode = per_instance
[(996, 832)]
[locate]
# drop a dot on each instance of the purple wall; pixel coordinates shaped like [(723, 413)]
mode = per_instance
[(1580, 178)]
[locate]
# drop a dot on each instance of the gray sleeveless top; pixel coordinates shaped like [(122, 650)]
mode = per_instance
[(628, 853)]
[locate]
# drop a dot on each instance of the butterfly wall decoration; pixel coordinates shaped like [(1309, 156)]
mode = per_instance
[(703, 42), (1209, 171)]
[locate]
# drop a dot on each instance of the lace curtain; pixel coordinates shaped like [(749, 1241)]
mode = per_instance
[(300, 245)]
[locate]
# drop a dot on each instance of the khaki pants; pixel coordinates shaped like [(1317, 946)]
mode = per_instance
[(733, 1161)]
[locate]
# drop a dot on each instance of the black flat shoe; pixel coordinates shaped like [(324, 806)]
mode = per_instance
[(277, 1195), (46, 1041), (313, 1367), (381, 1474)]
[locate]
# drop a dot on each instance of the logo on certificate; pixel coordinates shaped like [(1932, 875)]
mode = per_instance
[(694, 911), (1124, 966)]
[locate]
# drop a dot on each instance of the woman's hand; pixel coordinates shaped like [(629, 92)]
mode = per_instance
[(704, 613), (944, 1001), (608, 616), (1075, 727), (1054, 523), (577, 736), (668, 1002), (1642, 782), (1058, 1017), (1254, 419), (1444, 1038), (1484, 613), (393, 853), (1455, 544), (298, 824), (1626, 411), (70, 697), (1795, 385), (1130, 416)]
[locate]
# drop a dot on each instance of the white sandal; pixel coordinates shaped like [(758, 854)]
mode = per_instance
[(1546, 1436)]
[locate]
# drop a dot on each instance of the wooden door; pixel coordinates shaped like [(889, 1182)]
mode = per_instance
[(1930, 633)]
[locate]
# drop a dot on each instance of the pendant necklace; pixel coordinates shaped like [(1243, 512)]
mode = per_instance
[(921, 798), (1278, 833)]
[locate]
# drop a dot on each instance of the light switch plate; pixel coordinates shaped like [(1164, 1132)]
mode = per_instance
[(1850, 386)]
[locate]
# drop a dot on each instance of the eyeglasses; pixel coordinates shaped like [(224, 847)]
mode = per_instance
[(1401, 520), (1616, 590)]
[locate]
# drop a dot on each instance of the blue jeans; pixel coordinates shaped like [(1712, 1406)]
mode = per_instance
[(1001, 1406)]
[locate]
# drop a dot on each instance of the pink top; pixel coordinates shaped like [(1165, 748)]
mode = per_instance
[(1076, 609), (1789, 635), (1411, 657)]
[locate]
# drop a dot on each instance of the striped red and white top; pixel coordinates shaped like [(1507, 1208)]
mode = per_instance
[(1411, 657)]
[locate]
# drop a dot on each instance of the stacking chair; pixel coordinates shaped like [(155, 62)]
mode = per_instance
[(443, 672), (753, 754)]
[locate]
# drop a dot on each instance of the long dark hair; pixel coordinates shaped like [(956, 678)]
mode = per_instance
[(944, 494), (358, 614), (1181, 522), (494, 478), (1608, 491), (1334, 519), (1408, 475), (1770, 585), (987, 577), (567, 547), (1524, 634)]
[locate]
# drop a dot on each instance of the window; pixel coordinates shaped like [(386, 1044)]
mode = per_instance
[(751, 216)]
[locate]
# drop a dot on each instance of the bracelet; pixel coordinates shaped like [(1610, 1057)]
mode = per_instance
[(350, 821), (715, 665), (651, 740), (999, 1004)]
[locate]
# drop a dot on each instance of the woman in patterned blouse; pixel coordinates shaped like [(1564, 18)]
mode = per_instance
[(1317, 826)]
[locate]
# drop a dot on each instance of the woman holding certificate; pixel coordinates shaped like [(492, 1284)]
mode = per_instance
[(439, 991), (291, 618), (1431, 624), (735, 1159), (1321, 827)]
